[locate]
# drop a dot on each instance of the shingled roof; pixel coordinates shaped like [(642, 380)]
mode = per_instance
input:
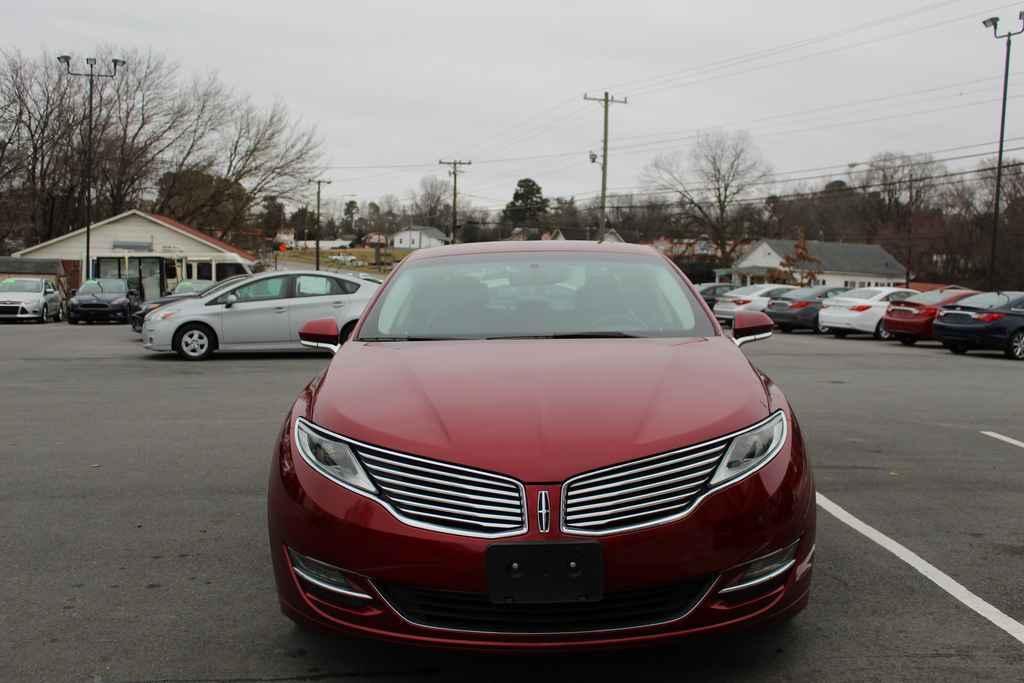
[(844, 257)]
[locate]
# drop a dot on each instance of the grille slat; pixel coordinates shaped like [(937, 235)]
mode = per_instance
[(475, 612), (640, 493), (446, 497)]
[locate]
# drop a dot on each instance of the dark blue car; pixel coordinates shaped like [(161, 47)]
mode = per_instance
[(992, 320)]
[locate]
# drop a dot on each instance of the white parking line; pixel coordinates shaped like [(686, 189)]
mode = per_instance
[(1014, 628), (1012, 442)]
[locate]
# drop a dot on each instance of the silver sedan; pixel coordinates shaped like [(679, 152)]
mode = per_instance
[(258, 313), (30, 298)]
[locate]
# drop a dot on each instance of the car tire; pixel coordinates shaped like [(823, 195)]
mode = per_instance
[(195, 341), (907, 340), (785, 329), (1015, 347), (44, 315), (882, 334), (818, 328), (958, 349), (60, 314)]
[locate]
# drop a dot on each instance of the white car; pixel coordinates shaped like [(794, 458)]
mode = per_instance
[(750, 298), (258, 313), (860, 310)]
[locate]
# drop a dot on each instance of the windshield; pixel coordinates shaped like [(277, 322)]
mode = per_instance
[(104, 287), (535, 295), (988, 300), (20, 285), (224, 284), (861, 294), (750, 289), (193, 286)]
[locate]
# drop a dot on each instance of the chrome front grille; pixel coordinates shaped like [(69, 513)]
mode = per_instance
[(640, 493), (446, 497)]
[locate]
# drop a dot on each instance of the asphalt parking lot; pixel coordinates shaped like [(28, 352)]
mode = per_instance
[(132, 521)]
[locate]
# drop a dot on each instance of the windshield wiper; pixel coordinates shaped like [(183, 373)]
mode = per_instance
[(573, 335)]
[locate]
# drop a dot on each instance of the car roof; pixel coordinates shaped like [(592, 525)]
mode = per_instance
[(535, 246)]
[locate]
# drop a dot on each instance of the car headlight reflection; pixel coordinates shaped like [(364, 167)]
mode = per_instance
[(751, 449), (331, 458)]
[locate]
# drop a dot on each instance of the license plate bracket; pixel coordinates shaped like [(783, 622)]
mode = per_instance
[(544, 573)]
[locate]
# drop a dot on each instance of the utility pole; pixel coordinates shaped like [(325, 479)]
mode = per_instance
[(993, 23), (454, 173), (89, 152), (605, 101), (319, 183)]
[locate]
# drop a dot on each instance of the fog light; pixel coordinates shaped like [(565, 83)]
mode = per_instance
[(325, 576), (764, 569)]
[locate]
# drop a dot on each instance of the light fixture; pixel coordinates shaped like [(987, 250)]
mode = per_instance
[(64, 59), (117, 63), (991, 22)]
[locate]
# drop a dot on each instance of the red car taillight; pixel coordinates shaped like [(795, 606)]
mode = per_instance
[(989, 317), (800, 304), (741, 302), (860, 308), (930, 310)]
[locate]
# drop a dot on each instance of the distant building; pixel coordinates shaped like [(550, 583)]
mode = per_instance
[(325, 245), (419, 237), (153, 252), (836, 264)]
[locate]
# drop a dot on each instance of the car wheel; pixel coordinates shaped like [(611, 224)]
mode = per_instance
[(194, 342), (958, 349), (60, 314), (818, 327), (44, 316), (907, 340), (1015, 349), (881, 333), (785, 329)]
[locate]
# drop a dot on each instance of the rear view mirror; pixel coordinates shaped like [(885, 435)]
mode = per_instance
[(751, 326), (321, 334)]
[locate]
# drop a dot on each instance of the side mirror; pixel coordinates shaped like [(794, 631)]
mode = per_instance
[(751, 326), (230, 300), (321, 334)]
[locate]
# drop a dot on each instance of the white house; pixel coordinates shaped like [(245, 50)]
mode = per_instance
[(153, 252), (837, 264), (419, 237)]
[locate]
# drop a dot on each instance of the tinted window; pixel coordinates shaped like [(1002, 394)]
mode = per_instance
[(536, 295), (262, 290), (775, 293), (987, 300), (933, 297), (899, 296), (803, 293)]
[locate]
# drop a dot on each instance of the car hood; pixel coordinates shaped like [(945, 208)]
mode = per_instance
[(104, 298), (21, 297), (538, 410), (169, 299)]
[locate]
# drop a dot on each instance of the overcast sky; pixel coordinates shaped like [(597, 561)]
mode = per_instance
[(396, 83)]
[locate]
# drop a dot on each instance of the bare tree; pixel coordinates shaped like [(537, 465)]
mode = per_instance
[(709, 183), (431, 205)]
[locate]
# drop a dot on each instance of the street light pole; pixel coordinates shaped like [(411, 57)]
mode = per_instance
[(89, 152), (993, 23)]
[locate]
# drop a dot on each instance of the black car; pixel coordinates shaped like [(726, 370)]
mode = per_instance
[(103, 299), (798, 309), (185, 289), (710, 291), (991, 320)]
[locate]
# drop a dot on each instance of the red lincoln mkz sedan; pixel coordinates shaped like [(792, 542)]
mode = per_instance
[(542, 445)]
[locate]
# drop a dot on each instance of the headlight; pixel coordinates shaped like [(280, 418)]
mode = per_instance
[(751, 449), (166, 315), (120, 302), (331, 458)]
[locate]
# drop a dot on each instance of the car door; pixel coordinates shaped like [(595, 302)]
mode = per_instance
[(260, 314), (319, 296)]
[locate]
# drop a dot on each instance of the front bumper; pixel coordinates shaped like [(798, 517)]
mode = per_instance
[(21, 314), (157, 336), (111, 314), (764, 512)]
